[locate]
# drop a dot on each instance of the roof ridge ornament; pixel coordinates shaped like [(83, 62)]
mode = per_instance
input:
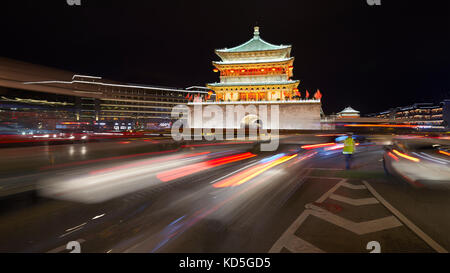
[(256, 32)]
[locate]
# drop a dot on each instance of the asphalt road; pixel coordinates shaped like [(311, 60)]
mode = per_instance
[(150, 196)]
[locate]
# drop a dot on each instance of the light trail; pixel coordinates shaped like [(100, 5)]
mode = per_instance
[(251, 173), (411, 158), (198, 167)]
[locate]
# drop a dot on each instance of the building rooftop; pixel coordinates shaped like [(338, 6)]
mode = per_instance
[(349, 110), (251, 83), (256, 61), (254, 44)]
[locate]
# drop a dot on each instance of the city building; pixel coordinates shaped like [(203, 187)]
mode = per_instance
[(259, 73), (428, 114), (46, 98)]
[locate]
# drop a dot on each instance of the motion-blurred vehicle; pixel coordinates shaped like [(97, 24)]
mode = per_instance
[(421, 162)]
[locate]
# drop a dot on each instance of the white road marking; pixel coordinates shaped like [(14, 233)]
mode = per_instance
[(358, 228), (354, 187), (98, 216), (319, 177), (326, 169), (333, 189), (65, 234), (279, 244), (298, 245), (406, 221), (69, 229), (354, 202)]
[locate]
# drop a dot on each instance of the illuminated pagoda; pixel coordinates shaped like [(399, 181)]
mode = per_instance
[(255, 71), (259, 74)]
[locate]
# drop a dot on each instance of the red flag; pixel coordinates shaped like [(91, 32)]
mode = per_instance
[(191, 97), (307, 94), (187, 96), (318, 95)]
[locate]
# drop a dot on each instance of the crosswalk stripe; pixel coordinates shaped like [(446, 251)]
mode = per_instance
[(354, 187), (298, 245), (333, 189), (353, 201), (358, 228)]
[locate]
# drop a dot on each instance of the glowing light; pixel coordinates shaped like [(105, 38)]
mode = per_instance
[(406, 156), (251, 173), (77, 163), (393, 156), (381, 125), (444, 153), (335, 147), (315, 146), (98, 216), (145, 162), (216, 70), (198, 167), (215, 144)]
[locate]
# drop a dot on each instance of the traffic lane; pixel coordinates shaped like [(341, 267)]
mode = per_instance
[(181, 210), (234, 213), (41, 226), (26, 159), (246, 224), (75, 220), (21, 173), (55, 161)]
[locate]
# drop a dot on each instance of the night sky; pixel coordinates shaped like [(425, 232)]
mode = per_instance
[(369, 57)]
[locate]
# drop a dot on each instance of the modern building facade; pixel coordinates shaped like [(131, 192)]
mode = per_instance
[(419, 114), (47, 98)]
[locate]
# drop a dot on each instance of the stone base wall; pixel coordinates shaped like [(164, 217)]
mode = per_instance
[(289, 116)]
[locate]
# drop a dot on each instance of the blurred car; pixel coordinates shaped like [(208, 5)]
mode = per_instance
[(419, 162)]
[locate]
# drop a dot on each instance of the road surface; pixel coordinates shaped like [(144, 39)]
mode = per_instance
[(147, 195)]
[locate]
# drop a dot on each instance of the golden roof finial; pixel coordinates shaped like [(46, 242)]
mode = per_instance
[(256, 32)]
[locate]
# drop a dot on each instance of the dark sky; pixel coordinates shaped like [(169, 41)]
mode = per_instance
[(369, 57)]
